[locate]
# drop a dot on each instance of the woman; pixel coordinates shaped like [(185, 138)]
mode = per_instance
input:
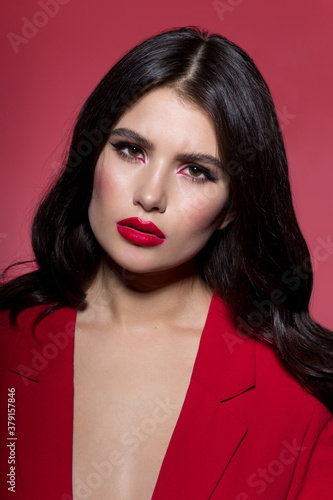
[(168, 248)]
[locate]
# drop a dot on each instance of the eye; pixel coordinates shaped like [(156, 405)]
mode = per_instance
[(130, 152), (198, 173), (195, 171), (133, 151)]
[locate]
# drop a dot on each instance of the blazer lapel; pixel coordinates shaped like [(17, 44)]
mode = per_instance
[(207, 434)]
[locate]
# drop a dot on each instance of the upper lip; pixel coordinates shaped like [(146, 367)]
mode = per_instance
[(145, 226)]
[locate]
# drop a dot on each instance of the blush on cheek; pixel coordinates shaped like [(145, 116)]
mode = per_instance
[(205, 209), (102, 182), (205, 222), (201, 216)]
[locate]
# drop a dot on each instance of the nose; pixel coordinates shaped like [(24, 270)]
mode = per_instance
[(151, 191)]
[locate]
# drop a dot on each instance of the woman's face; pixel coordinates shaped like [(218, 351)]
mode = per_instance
[(161, 166)]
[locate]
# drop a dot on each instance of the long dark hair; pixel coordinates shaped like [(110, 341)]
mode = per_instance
[(259, 264)]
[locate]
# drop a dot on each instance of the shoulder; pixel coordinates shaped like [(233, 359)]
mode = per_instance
[(22, 341), (11, 334), (24, 320), (27, 317), (275, 389), (285, 396)]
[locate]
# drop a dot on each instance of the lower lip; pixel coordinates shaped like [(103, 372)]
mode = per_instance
[(139, 238)]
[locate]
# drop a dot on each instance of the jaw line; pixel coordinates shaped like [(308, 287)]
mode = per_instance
[(148, 282)]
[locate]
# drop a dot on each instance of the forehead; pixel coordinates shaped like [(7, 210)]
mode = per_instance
[(163, 114)]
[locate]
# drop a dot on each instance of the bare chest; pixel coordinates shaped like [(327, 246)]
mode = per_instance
[(128, 394)]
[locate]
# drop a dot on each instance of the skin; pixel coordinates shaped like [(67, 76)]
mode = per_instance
[(157, 187), (137, 338)]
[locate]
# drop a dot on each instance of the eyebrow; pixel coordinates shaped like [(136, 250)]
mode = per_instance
[(186, 157)]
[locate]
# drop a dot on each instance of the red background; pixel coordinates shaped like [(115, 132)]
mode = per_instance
[(49, 73)]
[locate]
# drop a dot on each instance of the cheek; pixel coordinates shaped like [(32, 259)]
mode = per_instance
[(101, 198), (111, 178), (102, 183), (203, 211), (107, 188)]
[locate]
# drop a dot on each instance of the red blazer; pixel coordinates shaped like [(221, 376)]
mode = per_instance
[(247, 430)]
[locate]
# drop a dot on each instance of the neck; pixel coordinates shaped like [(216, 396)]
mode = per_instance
[(140, 300)]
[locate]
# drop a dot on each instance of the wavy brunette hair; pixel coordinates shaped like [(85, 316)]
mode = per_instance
[(259, 264)]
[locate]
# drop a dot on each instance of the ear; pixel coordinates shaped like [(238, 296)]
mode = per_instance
[(227, 219)]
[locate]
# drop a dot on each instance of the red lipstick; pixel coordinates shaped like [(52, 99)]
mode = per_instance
[(140, 232)]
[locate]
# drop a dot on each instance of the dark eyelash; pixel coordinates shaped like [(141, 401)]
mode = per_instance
[(207, 173), (121, 145)]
